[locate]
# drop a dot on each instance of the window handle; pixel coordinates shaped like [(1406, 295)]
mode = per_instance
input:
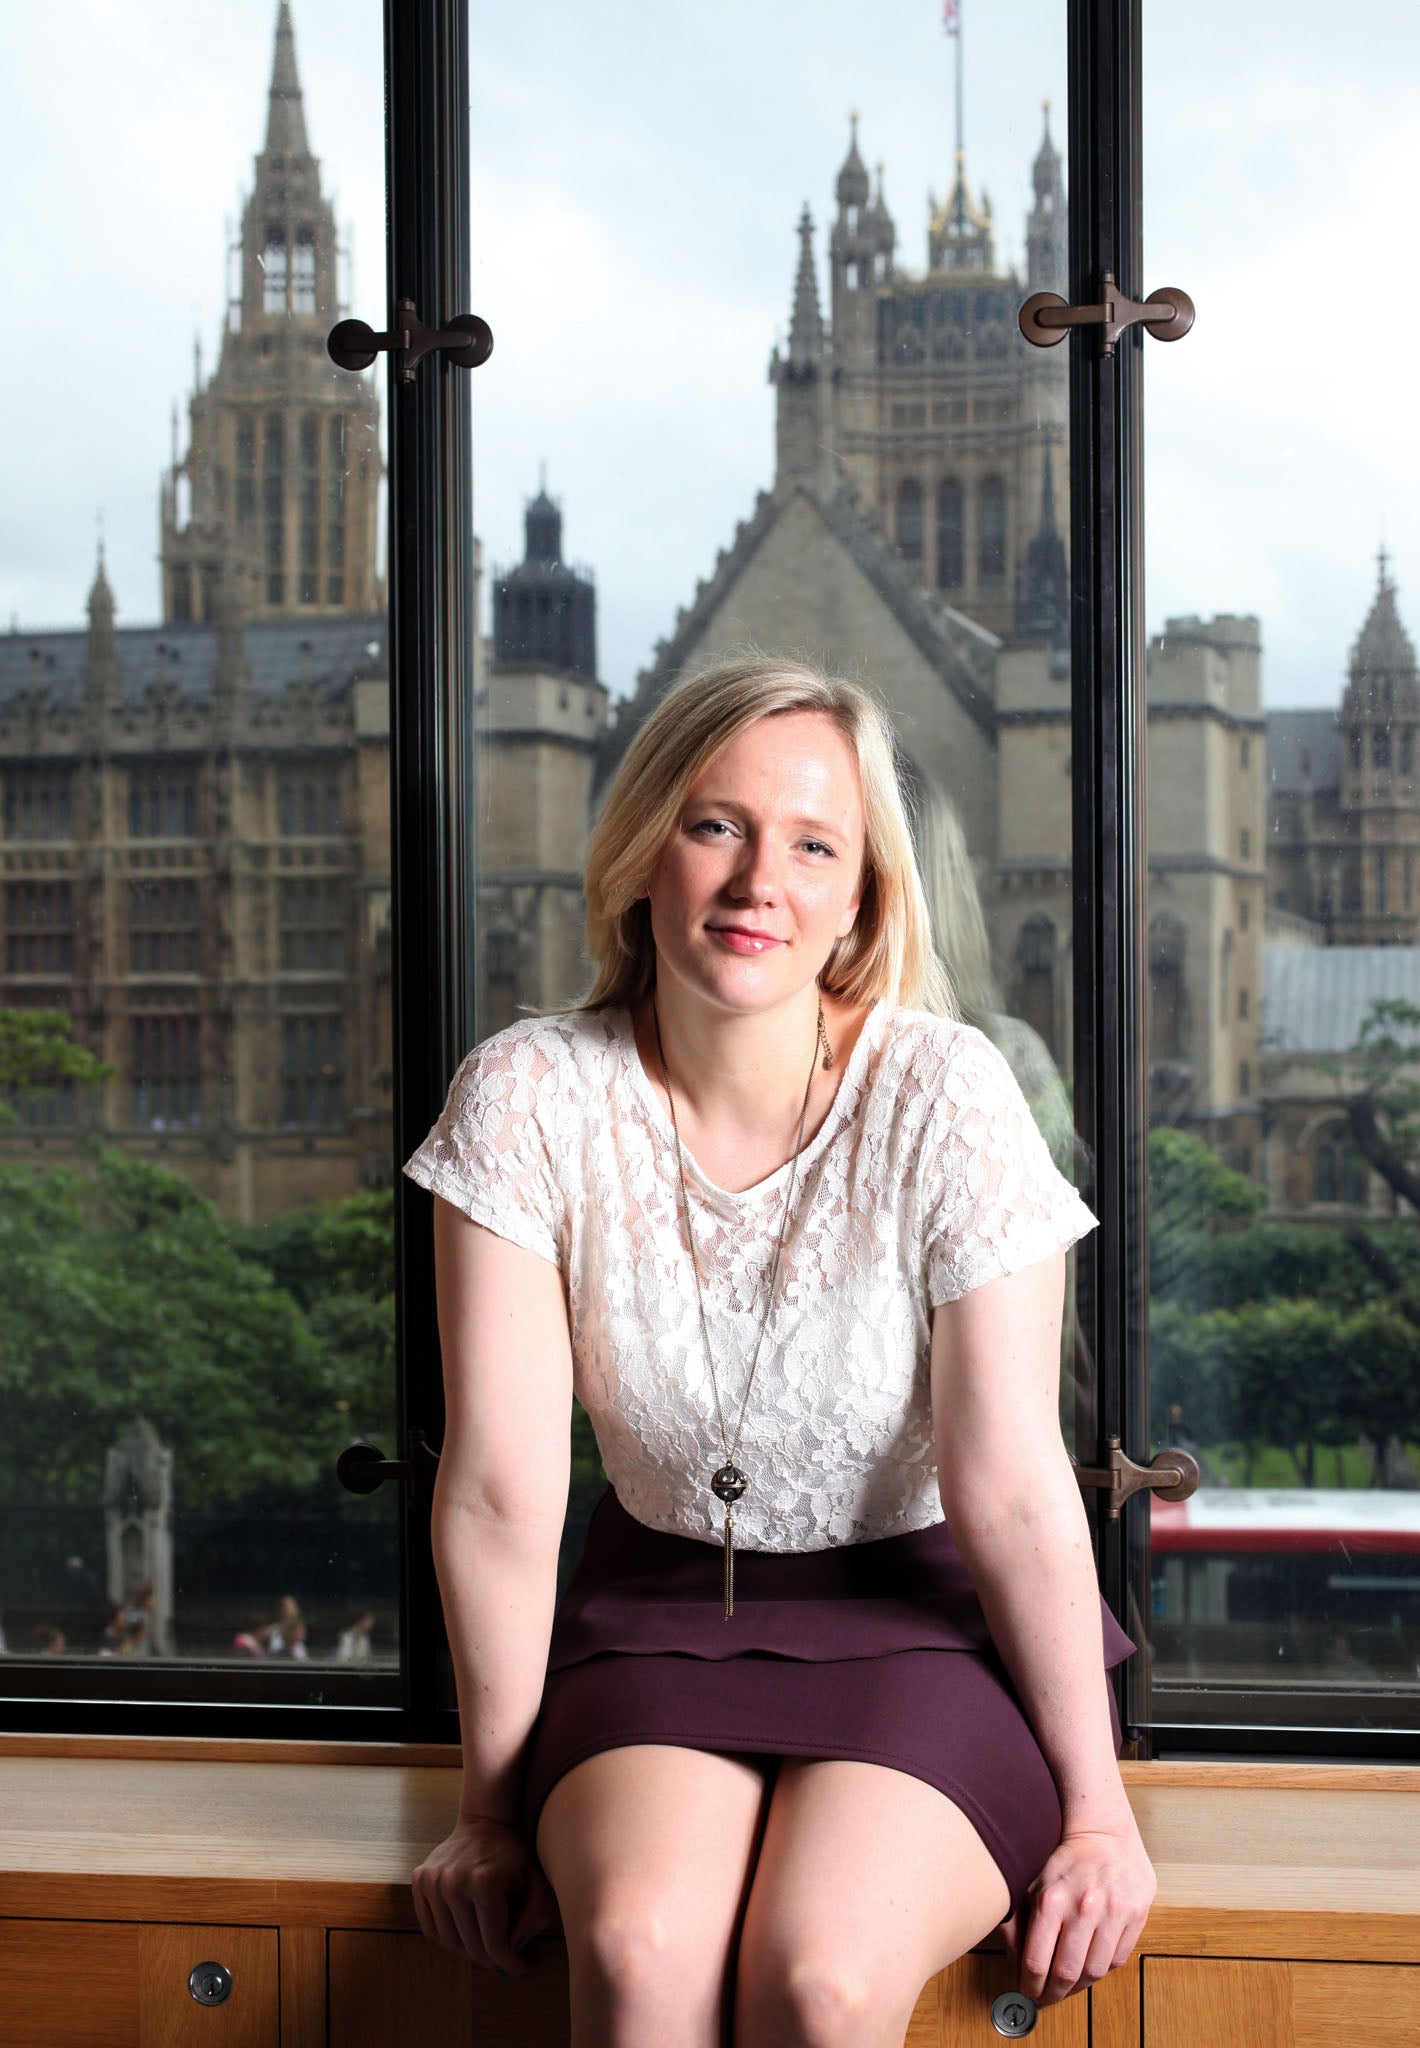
[(1172, 1475), (362, 1468), (1045, 318), (467, 340)]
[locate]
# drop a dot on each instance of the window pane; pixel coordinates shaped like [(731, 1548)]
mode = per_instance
[(194, 864), (894, 501), (1284, 822)]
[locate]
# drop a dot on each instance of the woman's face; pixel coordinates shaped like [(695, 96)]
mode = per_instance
[(762, 871)]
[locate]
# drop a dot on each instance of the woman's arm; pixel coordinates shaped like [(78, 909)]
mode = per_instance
[(501, 1494), (1014, 1508)]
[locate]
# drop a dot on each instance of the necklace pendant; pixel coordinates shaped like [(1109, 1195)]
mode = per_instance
[(729, 1564), (728, 1483)]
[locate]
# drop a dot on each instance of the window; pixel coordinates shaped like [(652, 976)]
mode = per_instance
[(162, 801), (246, 470), (312, 1073), (166, 1075), (951, 537), (314, 919), (308, 800), (39, 928), (37, 802), (303, 280), (274, 263), (163, 927), (274, 500), (909, 522), (991, 533), (308, 587)]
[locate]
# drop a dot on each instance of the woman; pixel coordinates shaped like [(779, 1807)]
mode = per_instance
[(792, 1741)]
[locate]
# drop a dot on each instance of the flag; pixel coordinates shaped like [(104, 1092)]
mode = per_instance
[(951, 17)]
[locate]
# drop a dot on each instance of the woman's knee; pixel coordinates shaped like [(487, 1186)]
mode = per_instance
[(639, 1956), (819, 1998)]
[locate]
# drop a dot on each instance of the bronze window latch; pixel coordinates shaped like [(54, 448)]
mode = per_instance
[(467, 340), (1171, 1474), (1167, 314)]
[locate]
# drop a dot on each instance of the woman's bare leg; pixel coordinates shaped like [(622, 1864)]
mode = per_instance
[(867, 1883), (650, 1849)]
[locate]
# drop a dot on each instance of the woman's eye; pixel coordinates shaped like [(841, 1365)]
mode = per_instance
[(818, 846), (710, 825)]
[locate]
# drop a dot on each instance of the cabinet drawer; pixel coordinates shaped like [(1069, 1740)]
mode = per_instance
[(390, 1989), (1212, 2003), (119, 1984)]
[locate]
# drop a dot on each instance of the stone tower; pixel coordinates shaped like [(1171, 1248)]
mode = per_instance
[(1380, 711), (1207, 808), (540, 718), (283, 467), (922, 396)]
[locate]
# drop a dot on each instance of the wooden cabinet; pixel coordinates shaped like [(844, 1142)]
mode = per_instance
[(98, 1984), (389, 1989), (1219, 2003), (1288, 1913)]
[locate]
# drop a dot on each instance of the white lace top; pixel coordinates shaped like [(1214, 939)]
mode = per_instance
[(927, 1177)]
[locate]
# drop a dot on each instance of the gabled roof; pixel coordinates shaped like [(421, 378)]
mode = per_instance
[(1315, 998), (961, 652)]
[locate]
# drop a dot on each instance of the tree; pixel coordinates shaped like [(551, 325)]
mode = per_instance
[(125, 1295), (38, 1053)]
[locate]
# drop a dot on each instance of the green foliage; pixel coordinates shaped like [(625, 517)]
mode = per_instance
[(337, 1264), (127, 1294), (37, 1052)]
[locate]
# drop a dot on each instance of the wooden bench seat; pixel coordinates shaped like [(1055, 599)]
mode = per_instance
[(1288, 1913)]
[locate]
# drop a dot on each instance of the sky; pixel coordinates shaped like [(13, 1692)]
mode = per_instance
[(638, 172)]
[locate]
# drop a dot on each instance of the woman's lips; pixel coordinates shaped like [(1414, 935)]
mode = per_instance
[(744, 942)]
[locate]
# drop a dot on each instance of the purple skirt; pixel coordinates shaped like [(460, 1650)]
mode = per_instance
[(876, 1652)]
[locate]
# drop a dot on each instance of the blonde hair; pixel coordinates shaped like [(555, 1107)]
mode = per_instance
[(889, 952)]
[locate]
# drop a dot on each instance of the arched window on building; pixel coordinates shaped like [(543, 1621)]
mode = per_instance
[(273, 486), (991, 534), (1380, 746), (951, 534), (308, 582), (1168, 945), (1036, 951), (273, 264), (335, 512), (246, 471), (909, 522), (303, 274), (1339, 1173), (850, 276)]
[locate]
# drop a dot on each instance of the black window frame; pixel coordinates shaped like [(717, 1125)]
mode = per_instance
[(434, 925)]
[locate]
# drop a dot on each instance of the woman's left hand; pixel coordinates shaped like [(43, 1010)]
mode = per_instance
[(1088, 1908)]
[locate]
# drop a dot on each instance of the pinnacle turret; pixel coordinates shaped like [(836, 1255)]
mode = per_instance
[(852, 188), (286, 115), (806, 322), (1046, 225)]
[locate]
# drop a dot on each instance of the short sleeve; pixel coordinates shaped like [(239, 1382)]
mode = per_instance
[(994, 1201), (488, 1153)]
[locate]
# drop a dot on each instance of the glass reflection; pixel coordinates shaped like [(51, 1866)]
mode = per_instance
[(1283, 942), (195, 1139)]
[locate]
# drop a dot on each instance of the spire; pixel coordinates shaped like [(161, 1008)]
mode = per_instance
[(542, 526), (1383, 648), (286, 118), (852, 187), (806, 323), (102, 691), (1046, 259), (1043, 593)]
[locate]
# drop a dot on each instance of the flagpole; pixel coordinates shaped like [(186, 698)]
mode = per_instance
[(956, 38)]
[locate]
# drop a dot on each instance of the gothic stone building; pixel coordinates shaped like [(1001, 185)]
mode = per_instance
[(194, 824)]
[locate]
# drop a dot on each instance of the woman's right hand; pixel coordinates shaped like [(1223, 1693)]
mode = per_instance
[(482, 1893)]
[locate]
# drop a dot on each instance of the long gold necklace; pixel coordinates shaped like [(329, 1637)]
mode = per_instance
[(729, 1482)]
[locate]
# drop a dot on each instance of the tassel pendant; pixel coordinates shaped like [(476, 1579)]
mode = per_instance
[(729, 1564), (727, 1486)]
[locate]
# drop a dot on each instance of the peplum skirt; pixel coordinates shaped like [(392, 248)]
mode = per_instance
[(877, 1652)]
